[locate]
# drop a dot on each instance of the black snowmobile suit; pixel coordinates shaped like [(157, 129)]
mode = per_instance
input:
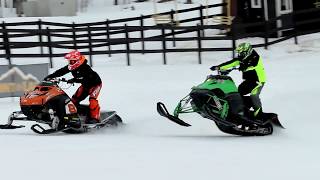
[(83, 74), (253, 75), (254, 79)]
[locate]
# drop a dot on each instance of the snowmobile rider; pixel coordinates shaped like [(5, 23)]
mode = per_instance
[(90, 83), (253, 74)]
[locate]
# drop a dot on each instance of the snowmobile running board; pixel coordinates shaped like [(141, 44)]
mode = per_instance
[(162, 110)]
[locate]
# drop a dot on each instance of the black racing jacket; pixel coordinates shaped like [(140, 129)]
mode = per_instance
[(83, 74)]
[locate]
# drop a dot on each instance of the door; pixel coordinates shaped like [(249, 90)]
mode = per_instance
[(283, 8)]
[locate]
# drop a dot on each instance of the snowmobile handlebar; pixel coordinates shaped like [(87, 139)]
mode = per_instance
[(226, 72), (58, 80)]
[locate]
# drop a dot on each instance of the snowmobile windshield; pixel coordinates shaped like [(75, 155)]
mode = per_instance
[(218, 77), (47, 83)]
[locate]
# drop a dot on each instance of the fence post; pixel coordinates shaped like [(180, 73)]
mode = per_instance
[(201, 19), (142, 33), (74, 36), (266, 37), (108, 36), (49, 47), (6, 43), (295, 29), (40, 35), (127, 44), (164, 46), (234, 38), (172, 29), (172, 17), (199, 43), (90, 46)]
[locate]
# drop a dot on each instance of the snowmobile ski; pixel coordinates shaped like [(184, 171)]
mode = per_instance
[(9, 126), (162, 110), (13, 116), (40, 130)]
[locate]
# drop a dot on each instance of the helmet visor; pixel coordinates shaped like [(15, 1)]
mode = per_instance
[(242, 54), (72, 61)]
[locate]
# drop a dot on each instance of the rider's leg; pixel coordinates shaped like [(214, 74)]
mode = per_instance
[(250, 92), (79, 95), (94, 104), (256, 102)]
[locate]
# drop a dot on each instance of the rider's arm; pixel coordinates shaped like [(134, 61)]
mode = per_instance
[(251, 62), (59, 72), (229, 64)]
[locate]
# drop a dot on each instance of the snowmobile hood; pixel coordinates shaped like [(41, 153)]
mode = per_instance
[(224, 83), (40, 95)]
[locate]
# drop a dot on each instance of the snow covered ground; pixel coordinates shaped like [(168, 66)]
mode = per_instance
[(150, 147)]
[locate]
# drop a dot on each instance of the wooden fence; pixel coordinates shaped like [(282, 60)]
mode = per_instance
[(101, 37)]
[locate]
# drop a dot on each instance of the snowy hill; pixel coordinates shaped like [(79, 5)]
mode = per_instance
[(150, 147)]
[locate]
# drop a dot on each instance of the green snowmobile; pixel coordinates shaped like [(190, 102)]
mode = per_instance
[(218, 99)]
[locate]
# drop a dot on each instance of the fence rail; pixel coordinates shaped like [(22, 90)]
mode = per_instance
[(99, 38)]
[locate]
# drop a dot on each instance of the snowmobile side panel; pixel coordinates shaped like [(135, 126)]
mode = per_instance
[(108, 119), (40, 95), (162, 110)]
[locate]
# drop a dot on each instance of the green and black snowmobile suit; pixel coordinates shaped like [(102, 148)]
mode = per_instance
[(254, 79)]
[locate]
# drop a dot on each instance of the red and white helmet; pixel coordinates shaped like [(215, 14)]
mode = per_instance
[(75, 59)]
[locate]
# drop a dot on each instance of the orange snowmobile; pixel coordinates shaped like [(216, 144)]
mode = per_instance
[(47, 103)]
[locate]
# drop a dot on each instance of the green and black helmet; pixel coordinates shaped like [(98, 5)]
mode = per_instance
[(244, 50)]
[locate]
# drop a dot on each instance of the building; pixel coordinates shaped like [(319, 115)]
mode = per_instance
[(247, 11), (7, 8), (41, 8)]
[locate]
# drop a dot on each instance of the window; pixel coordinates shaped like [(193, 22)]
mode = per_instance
[(286, 5), (317, 4), (256, 4)]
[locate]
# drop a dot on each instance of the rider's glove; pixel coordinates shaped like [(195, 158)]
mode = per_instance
[(242, 67), (71, 81), (47, 78), (215, 68)]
